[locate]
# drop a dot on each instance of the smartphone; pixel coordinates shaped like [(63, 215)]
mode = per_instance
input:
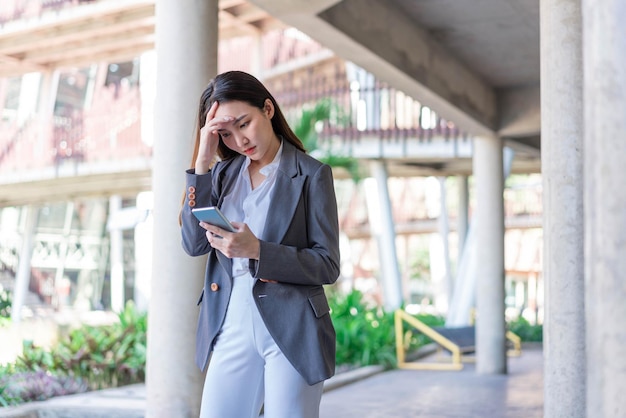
[(212, 215)]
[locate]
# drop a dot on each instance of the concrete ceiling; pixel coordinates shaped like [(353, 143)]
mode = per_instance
[(476, 62), (496, 40)]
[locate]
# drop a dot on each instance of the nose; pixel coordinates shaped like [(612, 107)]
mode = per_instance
[(241, 140)]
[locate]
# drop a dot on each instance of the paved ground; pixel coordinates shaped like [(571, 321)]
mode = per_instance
[(444, 394), (391, 394)]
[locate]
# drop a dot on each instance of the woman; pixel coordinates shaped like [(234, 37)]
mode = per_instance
[(264, 318)]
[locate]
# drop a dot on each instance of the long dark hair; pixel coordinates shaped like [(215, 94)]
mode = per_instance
[(243, 87)]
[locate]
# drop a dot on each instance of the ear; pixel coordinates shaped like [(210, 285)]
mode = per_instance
[(268, 108)]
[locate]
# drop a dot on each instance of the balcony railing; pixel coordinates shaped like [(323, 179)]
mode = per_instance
[(108, 133), (366, 108), (13, 10)]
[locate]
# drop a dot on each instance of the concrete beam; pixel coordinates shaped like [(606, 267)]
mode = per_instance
[(519, 112), (384, 41), (61, 188)]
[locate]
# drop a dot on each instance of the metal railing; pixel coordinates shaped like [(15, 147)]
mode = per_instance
[(13, 10), (108, 133)]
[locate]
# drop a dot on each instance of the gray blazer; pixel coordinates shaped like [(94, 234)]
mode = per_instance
[(299, 249)]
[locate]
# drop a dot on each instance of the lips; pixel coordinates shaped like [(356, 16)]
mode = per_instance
[(249, 151)]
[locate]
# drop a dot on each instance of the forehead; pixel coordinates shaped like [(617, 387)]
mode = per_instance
[(234, 108)]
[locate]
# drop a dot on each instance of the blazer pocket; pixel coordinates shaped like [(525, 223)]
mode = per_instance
[(200, 298), (319, 303)]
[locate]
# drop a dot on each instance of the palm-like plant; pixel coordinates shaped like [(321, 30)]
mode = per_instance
[(305, 129)]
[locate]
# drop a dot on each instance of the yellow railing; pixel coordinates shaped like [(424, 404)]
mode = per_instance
[(458, 354)]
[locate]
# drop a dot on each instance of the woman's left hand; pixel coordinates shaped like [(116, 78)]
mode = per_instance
[(243, 243)]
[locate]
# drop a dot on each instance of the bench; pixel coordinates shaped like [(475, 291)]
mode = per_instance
[(458, 342)]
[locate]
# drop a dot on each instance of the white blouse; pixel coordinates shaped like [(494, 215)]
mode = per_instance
[(243, 204)]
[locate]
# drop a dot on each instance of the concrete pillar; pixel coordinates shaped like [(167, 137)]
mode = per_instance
[(468, 268), (45, 110), (186, 50), (464, 293), (22, 276), (116, 235), (561, 166), (87, 293), (143, 254), (60, 280), (27, 105), (531, 303), (444, 231), (490, 324), (604, 43), (383, 228), (441, 276), (463, 215)]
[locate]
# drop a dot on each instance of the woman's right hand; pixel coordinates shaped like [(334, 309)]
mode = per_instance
[(209, 140)]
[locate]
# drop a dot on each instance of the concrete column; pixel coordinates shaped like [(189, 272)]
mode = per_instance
[(604, 43), (186, 50), (60, 280), (444, 231), (45, 110), (561, 166), (463, 215), (464, 293), (116, 235), (143, 253), (383, 228), (22, 276), (490, 324), (87, 292), (469, 268), (28, 97), (441, 277)]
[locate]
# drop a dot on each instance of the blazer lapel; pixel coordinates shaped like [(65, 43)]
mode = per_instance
[(226, 180), (285, 196)]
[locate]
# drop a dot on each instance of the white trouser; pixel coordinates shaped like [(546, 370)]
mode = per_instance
[(247, 369)]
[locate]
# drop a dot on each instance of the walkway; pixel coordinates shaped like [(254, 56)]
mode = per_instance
[(444, 394), (391, 394)]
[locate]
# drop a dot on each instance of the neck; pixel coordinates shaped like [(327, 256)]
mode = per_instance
[(269, 155)]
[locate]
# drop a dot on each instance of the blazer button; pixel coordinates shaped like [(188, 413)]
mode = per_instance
[(191, 196), (191, 189), (214, 287), (192, 203)]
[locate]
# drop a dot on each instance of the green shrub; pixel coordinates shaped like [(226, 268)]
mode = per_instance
[(5, 398), (365, 334), (90, 357), (525, 330)]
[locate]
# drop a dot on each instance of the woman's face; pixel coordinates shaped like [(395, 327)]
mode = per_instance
[(248, 130)]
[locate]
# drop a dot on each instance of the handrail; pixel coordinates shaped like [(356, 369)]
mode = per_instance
[(457, 358), (401, 316)]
